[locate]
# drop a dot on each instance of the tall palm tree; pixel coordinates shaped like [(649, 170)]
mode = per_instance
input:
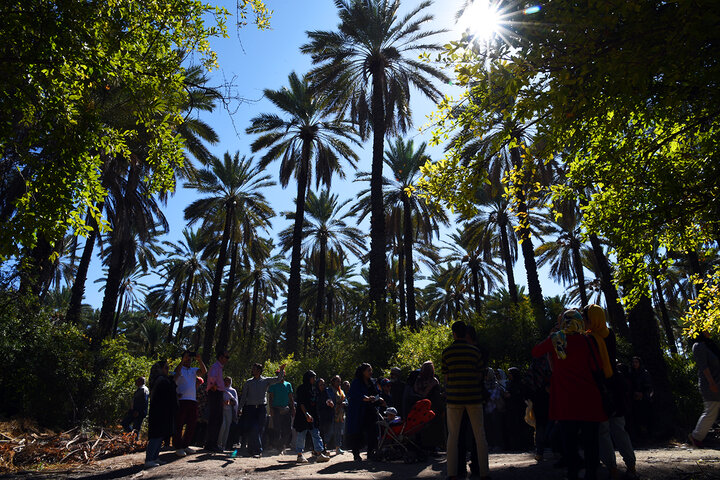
[(418, 219), (369, 65), (303, 135), (233, 193), (479, 266), (266, 277), (325, 232), (446, 294), (187, 269), (565, 252), (122, 178)]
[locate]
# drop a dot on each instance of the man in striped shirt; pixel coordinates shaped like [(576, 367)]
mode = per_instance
[(463, 366)]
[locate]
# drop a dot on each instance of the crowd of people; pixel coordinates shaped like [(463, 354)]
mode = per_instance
[(575, 396)]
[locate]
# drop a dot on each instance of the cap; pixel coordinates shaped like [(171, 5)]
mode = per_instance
[(384, 382), (391, 410)]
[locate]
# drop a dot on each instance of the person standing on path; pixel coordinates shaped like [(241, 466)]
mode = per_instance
[(575, 400), (215, 391), (361, 424), (707, 357), (463, 367), (612, 432), (187, 414), (253, 404), (282, 410), (306, 419), (134, 417), (230, 410), (163, 404)]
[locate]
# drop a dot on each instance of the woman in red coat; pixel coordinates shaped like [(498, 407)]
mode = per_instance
[(574, 396)]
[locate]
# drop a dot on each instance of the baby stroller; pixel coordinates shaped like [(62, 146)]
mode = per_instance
[(396, 439)]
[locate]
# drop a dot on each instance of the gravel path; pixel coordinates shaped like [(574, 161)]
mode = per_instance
[(674, 462)]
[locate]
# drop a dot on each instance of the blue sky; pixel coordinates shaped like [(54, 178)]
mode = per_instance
[(254, 60)]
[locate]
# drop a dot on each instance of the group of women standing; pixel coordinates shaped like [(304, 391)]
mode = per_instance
[(582, 367)]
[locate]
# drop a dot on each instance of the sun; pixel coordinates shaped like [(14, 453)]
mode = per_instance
[(482, 19)]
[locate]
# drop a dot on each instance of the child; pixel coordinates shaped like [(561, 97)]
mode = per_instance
[(392, 417)]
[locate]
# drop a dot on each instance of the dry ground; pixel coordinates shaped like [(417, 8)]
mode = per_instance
[(676, 462)]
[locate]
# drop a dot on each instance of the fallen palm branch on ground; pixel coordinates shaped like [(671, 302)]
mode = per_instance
[(23, 447)]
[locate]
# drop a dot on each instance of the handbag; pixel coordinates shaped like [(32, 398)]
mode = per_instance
[(603, 384), (530, 414)]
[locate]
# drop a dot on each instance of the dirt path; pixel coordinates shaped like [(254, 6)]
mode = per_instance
[(671, 462)]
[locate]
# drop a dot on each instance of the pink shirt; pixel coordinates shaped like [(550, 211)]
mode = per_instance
[(215, 377)]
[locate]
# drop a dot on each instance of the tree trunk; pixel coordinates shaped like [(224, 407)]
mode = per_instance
[(408, 242), (211, 320), (533, 280), (377, 208), (616, 312), (645, 340), (667, 326), (476, 284), (116, 320), (579, 272), (293, 299), (246, 312), (176, 301), (507, 259), (401, 285), (78, 289), (253, 317), (186, 301), (120, 240), (224, 333), (320, 304)]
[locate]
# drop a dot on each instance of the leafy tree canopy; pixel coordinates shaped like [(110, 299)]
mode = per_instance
[(625, 93), (84, 82)]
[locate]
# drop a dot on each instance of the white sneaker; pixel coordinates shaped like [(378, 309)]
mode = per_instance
[(339, 451), (189, 451), (151, 464), (180, 452), (322, 458), (301, 458)]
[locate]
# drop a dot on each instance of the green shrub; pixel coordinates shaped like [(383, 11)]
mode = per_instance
[(115, 381), (51, 375), (415, 348), (683, 375)]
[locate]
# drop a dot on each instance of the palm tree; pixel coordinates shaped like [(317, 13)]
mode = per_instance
[(479, 267), (369, 65), (187, 269), (233, 193), (325, 233), (303, 135), (266, 277), (565, 252), (272, 330), (493, 227), (411, 217), (123, 178), (445, 294)]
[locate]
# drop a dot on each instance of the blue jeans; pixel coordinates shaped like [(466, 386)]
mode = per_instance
[(317, 441), (152, 452), (255, 427)]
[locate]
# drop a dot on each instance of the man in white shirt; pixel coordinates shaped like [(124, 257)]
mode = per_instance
[(187, 413)]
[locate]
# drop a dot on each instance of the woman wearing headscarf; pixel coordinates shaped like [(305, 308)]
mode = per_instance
[(707, 358), (307, 419), (161, 415), (361, 423), (426, 381), (612, 432), (574, 396)]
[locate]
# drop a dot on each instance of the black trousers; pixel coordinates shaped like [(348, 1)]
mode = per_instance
[(368, 435), (585, 434), (215, 419)]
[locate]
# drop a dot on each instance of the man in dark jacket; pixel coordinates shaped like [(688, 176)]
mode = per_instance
[(134, 417)]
